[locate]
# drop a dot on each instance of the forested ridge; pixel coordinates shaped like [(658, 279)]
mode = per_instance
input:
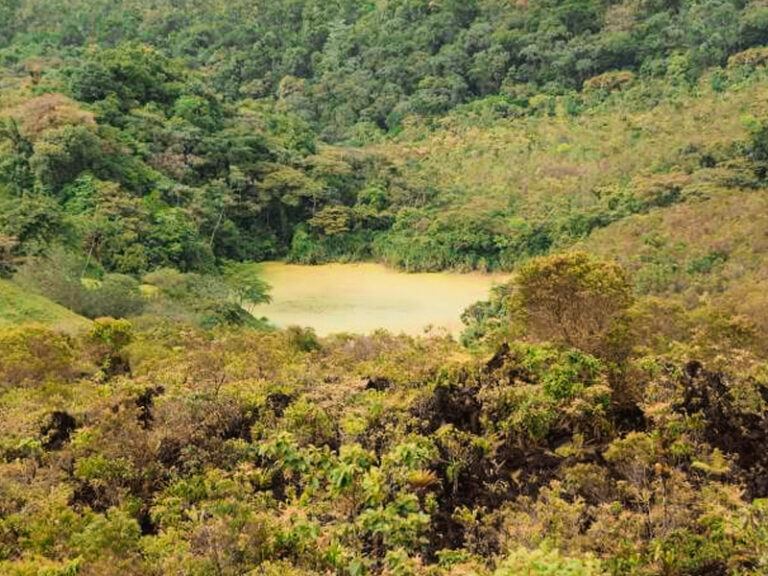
[(253, 130), (605, 411)]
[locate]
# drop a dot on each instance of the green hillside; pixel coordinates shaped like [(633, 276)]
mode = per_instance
[(251, 130), (18, 306)]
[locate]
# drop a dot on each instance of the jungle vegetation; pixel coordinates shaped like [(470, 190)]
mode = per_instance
[(604, 413)]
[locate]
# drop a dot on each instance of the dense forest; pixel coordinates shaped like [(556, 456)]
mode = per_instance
[(248, 130), (605, 412)]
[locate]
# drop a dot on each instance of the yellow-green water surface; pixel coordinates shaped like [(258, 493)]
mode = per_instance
[(361, 298)]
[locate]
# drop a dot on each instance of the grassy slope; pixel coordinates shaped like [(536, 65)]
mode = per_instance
[(18, 306)]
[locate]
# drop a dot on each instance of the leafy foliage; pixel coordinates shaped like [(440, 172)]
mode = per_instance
[(197, 134), (239, 452), (609, 415), (571, 298)]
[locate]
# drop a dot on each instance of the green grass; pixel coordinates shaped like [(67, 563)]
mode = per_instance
[(19, 307)]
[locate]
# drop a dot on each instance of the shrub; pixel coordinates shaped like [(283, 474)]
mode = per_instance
[(542, 562), (56, 276), (59, 277), (117, 295), (609, 81), (302, 339), (310, 424), (571, 298), (33, 354), (753, 57), (107, 338)]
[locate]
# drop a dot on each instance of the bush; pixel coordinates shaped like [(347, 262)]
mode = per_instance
[(542, 562), (33, 354), (207, 300), (107, 339), (572, 299), (59, 277), (117, 295), (302, 339), (609, 81)]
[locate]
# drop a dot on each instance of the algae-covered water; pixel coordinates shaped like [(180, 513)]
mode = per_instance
[(361, 298)]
